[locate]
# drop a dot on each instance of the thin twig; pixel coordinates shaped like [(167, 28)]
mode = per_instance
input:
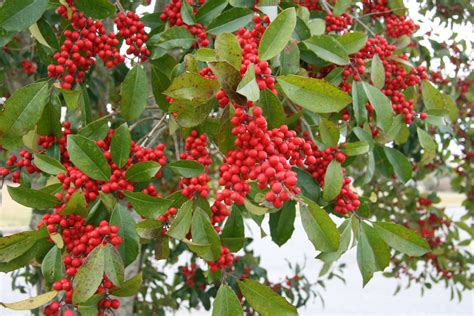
[(153, 130), (119, 6)]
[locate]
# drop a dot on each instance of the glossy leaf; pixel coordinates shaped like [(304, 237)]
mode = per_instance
[(204, 233), (230, 21), (355, 148), (321, 230), (129, 248), (134, 93), (277, 34), (88, 157), (359, 100), (186, 168), (308, 185), (142, 171), (48, 164), (315, 95), (272, 109), (17, 15), (120, 145), (402, 239), (210, 10), (333, 181), (97, 9), (181, 224), (96, 130), (264, 300), (146, 205), (282, 223), (187, 14), (32, 198), (345, 230), (233, 234), (226, 303)]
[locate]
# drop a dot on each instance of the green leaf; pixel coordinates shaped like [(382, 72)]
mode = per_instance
[(402, 239), (277, 34), (48, 164), (149, 229), (328, 49), (264, 300), (329, 132), (204, 233), (233, 234), (309, 187), (381, 104), (134, 93), (345, 229), (199, 249), (373, 253), (210, 10), (146, 205), (17, 15), (333, 181), (96, 130), (49, 123), (23, 109), (192, 87), (113, 267), (175, 37), (206, 54), (71, 97), (76, 205), (319, 227), (359, 99), (52, 266), (355, 148), (120, 145), (341, 7), (230, 21), (130, 246), (272, 109), (400, 163), (248, 87), (160, 80), (96, 9), (181, 224), (129, 287), (315, 95), (229, 79), (32, 198), (186, 168), (435, 100), (44, 30), (227, 48), (428, 144), (282, 223), (89, 276), (13, 246), (226, 303), (353, 41), (255, 209), (224, 138), (188, 114), (88, 157), (32, 303), (377, 72), (398, 7), (290, 59), (317, 26), (187, 14), (142, 171)]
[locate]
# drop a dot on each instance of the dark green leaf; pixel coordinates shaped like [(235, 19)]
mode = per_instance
[(187, 14), (210, 10), (192, 87), (88, 157), (96, 9), (113, 267), (345, 230), (186, 168), (120, 145), (52, 266), (230, 21), (96, 130), (328, 49), (204, 233), (129, 248), (309, 187), (272, 109), (32, 198), (149, 229), (146, 205), (175, 37), (355, 148), (359, 99), (76, 205), (233, 234), (13, 246), (381, 104), (282, 223), (181, 224), (290, 59), (134, 93), (17, 15), (129, 287), (400, 163), (321, 230)]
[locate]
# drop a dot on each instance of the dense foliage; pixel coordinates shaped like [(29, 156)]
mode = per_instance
[(144, 144)]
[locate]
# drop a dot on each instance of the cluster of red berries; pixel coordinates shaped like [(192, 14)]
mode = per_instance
[(165, 216), (172, 14), (347, 200), (133, 31), (24, 163), (87, 40), (425, 202), (337, 23), (225, 260), (29, 67), (196, 150)]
